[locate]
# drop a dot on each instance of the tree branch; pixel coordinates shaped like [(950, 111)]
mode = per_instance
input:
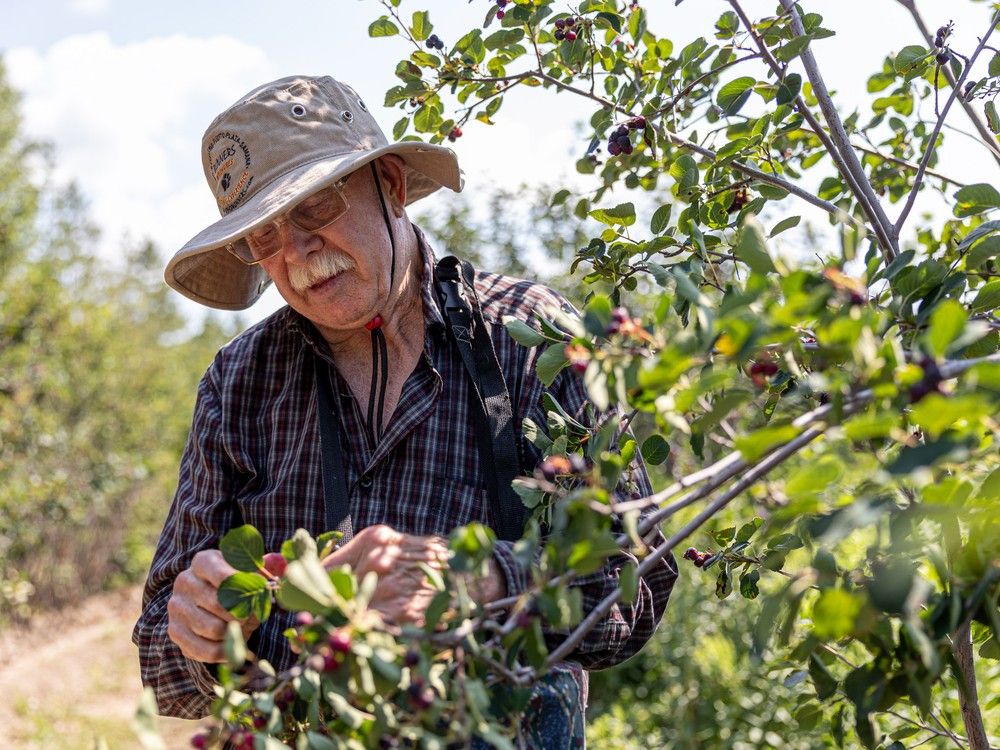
[(968, 696), (988, 139), (803, 109), (839, 134), (932, 142)]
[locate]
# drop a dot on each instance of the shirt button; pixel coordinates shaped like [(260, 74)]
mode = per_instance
[(366, 482)]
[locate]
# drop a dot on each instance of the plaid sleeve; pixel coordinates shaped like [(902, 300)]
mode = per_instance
[(628, 625), (201, 507)]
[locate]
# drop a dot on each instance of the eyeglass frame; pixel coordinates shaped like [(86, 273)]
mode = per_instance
[(286, 217)]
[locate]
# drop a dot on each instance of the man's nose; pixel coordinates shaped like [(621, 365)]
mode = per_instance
[(297, 244)]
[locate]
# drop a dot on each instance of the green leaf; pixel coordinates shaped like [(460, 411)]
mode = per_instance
[(915, 457), (974, 199), (623, 215), (234, 646), (748, 584), (382, 26), (910, 58), (785, 224), (661, 218), (792, 49), (947, 323), (243, 548), (992, 119), (756, 444), (521, 332), (724, 583), (306, 587), (748, 529), (752, 247), (503, 38), (244, 594), (422, 26), (995, 65), (733, 95), (789, 88), (551, 363), (835, 613), (427, 119), (823, 681), (655, 450), (937, 413), (987, 299)]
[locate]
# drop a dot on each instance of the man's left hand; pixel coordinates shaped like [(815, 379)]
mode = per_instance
[(404, 592)]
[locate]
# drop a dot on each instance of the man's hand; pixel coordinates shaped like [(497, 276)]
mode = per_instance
[(403, 592), (195, 620)]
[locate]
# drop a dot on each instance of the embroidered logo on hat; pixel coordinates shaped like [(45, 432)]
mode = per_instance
[(228, 156)]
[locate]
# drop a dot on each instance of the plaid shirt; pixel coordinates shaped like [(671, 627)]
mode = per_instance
[(254, 442)]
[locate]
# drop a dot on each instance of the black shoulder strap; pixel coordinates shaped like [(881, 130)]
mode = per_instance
[(338, 511), (491, 401)]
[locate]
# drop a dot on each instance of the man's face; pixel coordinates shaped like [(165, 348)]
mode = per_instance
[(339, 276)]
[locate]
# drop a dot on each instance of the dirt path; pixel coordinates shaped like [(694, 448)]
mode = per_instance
[(69, 679)]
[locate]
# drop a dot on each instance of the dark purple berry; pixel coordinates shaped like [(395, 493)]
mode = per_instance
[(560, 35), (620, 131), (614, 149), (942, 58), (690, 553), (560, 23), (699, 561), (570, 22), (637, 123), (411, 658)]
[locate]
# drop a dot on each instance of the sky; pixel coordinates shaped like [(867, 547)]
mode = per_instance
[(124, 91)]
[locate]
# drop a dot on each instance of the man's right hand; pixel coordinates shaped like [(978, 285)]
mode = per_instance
[(195, 620)]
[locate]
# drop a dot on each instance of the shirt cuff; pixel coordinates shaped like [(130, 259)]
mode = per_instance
[(515, 574)]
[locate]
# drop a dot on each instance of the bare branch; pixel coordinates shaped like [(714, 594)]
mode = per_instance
[(839, 134), (932, 141), (881, 231), (968, 695), (987, 137)]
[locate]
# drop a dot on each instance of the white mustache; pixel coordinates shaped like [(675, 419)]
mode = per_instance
[(320, 267)]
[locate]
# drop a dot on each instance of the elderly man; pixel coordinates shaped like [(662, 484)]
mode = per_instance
[(358, 405)]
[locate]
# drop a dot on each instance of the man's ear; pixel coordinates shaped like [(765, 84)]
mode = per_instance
[(392, 171)]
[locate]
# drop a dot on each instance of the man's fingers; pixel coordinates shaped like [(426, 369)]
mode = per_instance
[(193, 645), (211, 567)]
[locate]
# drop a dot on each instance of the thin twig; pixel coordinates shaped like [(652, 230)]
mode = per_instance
[(838, 158), (932, 141), (987, 138)]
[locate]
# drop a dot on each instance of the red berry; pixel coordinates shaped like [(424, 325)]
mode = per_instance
[(637, 123), (690, 553), (275, 564), (340, 641), (700, 560), (570, 36), (579, 366), (455, 134), (200, 741), (500, 14), (259, 721)]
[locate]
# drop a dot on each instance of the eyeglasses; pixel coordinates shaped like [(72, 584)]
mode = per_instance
[(316, 212)]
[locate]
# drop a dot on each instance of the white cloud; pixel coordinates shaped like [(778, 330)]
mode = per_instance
[(89, 7), (121, 118)]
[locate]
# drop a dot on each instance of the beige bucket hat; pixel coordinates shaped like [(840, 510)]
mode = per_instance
[(278, 144)]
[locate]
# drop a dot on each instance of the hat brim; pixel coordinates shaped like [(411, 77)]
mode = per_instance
[(206, 272)]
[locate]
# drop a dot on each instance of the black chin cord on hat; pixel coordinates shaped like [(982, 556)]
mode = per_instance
[(380, 352)]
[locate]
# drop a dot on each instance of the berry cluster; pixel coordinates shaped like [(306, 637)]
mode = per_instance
[(698, 558), (455, 134), (941, 42), (501, 4), (565, 29), (620, 142), (741, 196), (433, 42), (555, 466)]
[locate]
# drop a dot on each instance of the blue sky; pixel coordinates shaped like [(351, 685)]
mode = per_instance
[(124, 90)]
